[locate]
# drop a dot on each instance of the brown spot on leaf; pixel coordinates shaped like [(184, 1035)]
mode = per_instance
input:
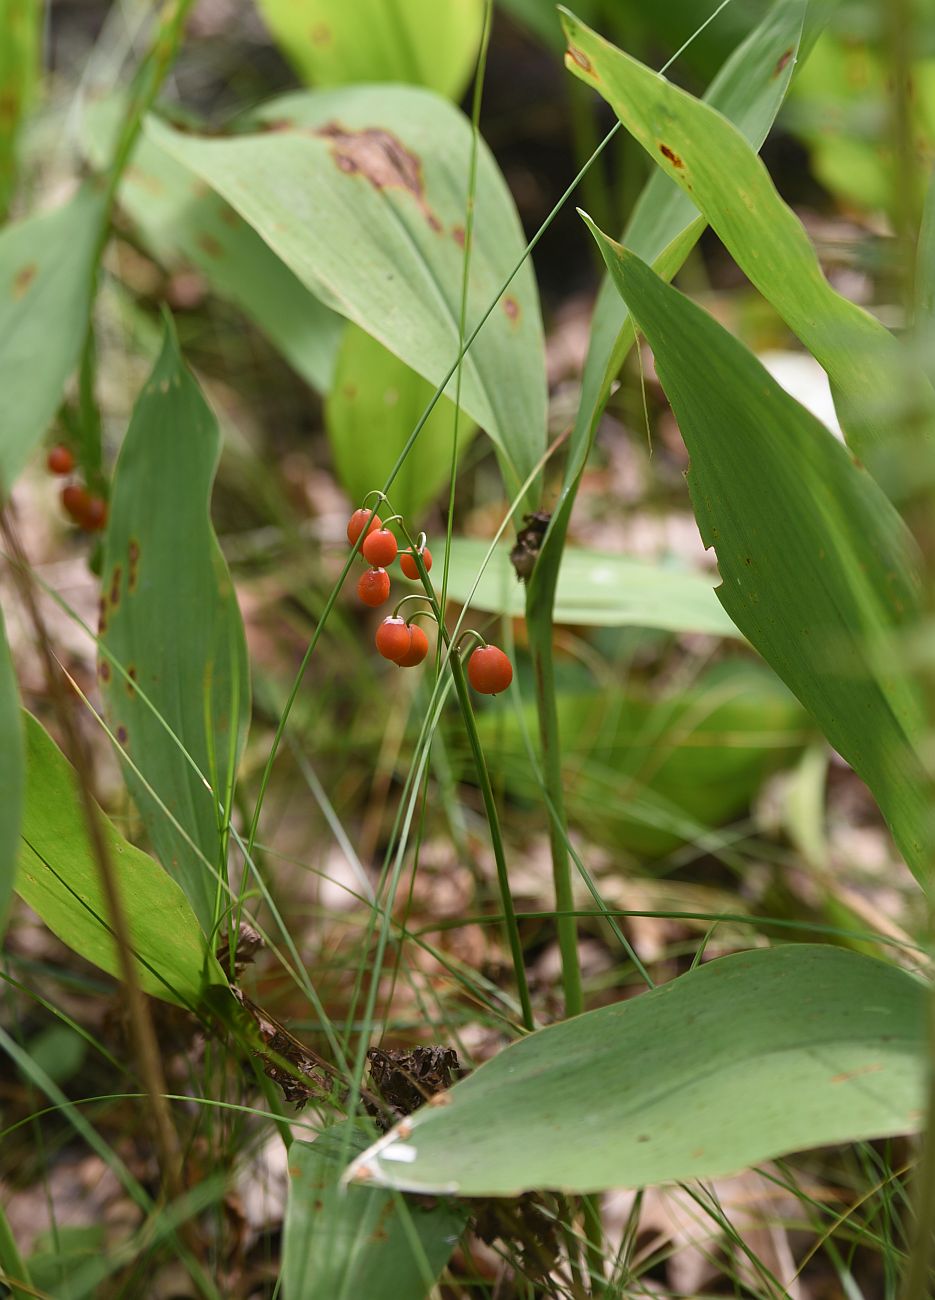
[(672, 156), (131, 680), (115, 585), (511, 307), (102, 616), (9, 108), (320, 34), (457, 234), (847, 1075), (382, 159), (23, 279), (782, 61), (208, 244), (133, 556), (103, 670), (145, 180), (228, 216), (122, 734), (582, 60)]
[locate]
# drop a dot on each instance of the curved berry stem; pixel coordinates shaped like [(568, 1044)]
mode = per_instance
[(416, 595), (470, 631)]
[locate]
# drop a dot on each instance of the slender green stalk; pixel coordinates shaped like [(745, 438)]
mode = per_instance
[(539, 630), (496, 839)]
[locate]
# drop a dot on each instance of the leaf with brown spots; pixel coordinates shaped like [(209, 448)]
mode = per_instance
[(724, 1067), (45, 296), (183, 714), (355, 195), (877, 384)]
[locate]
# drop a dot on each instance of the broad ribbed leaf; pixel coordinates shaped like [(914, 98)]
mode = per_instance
[(715, 165), (362, 192), (11, 775), (817, 566), (46, 279), (59, 878), (595, 589), (169, 618), (372, 409), (333, 43), (185, 224), (363, 1242), (749, 1057)]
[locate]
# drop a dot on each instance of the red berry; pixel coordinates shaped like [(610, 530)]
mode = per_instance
[(489, 671), (379, 548), (374, 587), (95, 515), (393, 638), (75, 500), (358, 522), (60, 460), (408, 565), (418, 649)]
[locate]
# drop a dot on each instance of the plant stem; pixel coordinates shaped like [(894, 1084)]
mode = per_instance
[(539, 625), (496, 839)]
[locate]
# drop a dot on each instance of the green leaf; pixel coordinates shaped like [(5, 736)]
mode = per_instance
[(595, 589), (183, 223), (362, 192), (332, 43), (663, 228), (46, 281), (11, 775), (59, 878), (360, 1242), (371, 411), (20, 46), (665, 222), (816, 565), (744, 1059), (170, 620), (710, 159)]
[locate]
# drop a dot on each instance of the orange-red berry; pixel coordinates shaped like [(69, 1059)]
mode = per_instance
[(379, 548), (75, 500), (374, 587), (418, 648), (95, 515), (393, 638), (60, 460), (408, 565), (358, 522), (489, 671)]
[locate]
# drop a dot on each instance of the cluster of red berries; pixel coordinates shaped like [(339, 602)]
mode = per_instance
[(401, 640), (87, 510), (379, 548)]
